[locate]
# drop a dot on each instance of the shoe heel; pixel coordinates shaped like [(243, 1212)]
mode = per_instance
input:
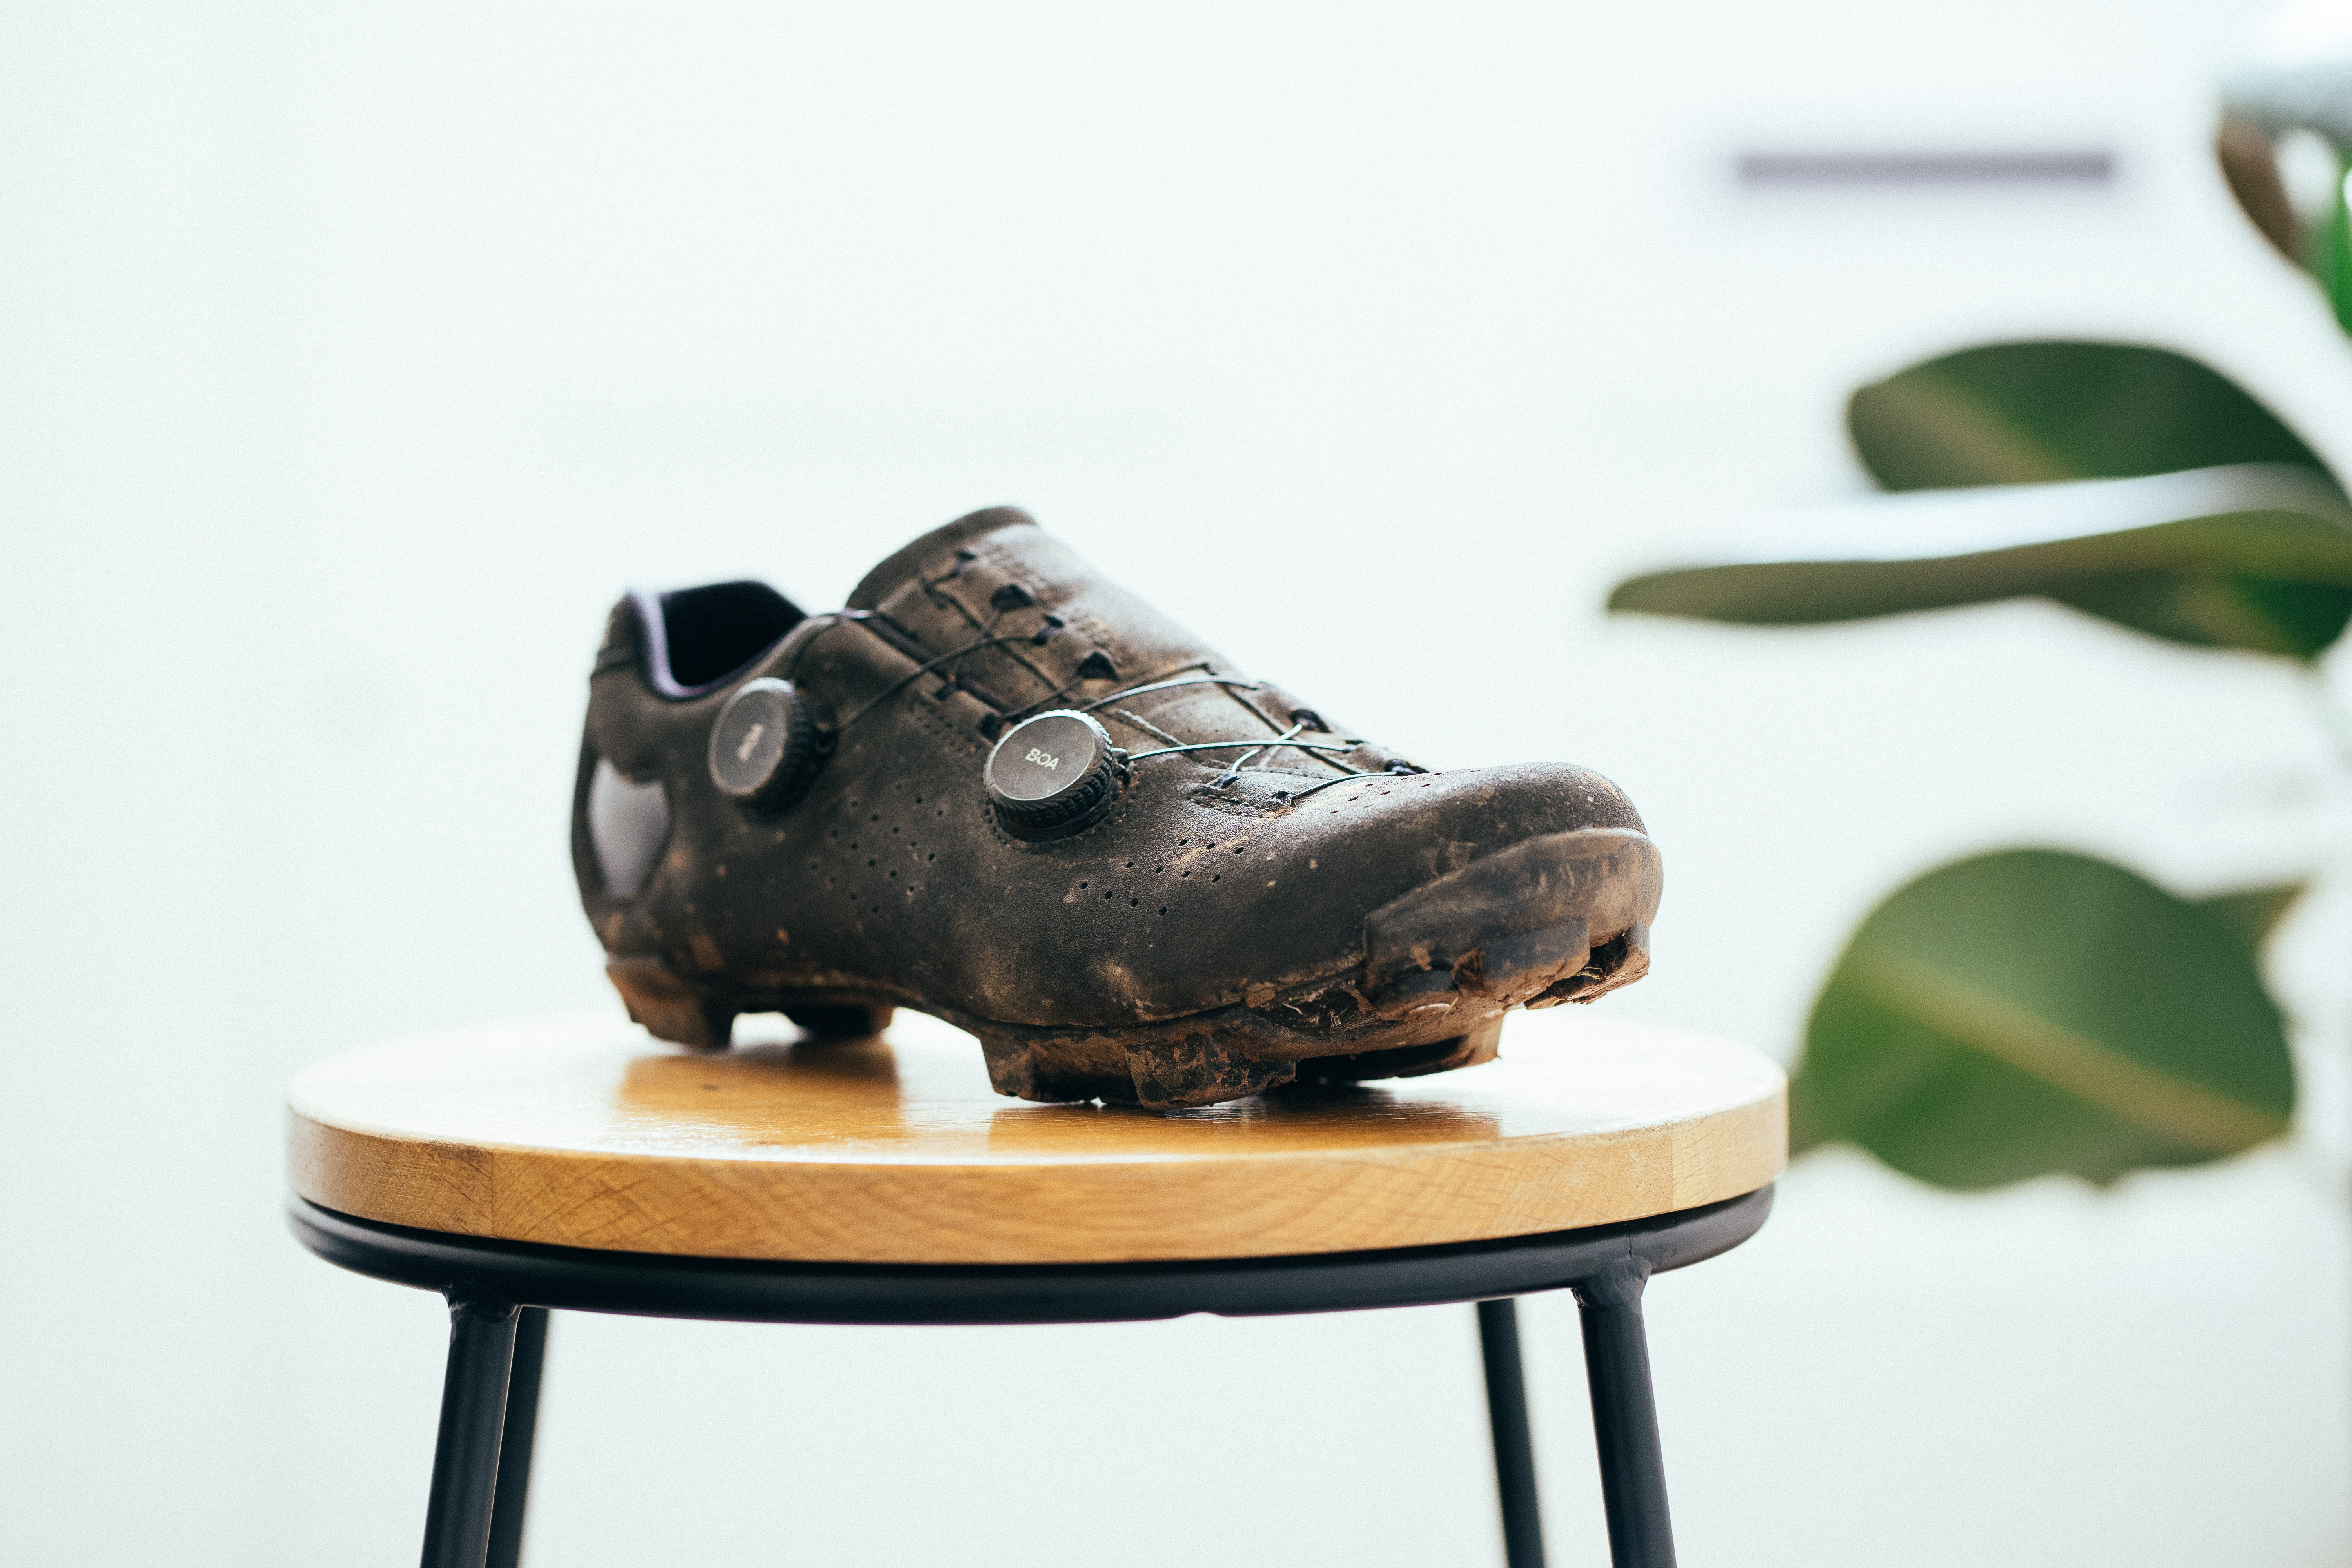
[(669, 1008), (1028, 1065)]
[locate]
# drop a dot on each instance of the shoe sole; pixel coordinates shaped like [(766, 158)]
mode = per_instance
[(1562, 918)]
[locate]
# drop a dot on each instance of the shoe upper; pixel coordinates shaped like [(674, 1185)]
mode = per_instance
[(1214, 878)]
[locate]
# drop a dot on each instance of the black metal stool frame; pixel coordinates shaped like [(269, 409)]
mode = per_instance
[(499, 1293)]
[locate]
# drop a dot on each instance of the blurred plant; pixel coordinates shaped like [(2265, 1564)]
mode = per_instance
[(2032, 1011), (2297, 104)]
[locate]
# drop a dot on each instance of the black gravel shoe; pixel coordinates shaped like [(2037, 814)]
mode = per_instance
[(1003, 790)]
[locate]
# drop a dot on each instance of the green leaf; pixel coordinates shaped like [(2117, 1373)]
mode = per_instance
[(2330, 253), (2033, 1012), (2255, 912), (2035, 412), (2265, 99), (2269, 581)]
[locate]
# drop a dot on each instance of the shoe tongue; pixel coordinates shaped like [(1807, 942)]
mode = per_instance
[(1071, 634)]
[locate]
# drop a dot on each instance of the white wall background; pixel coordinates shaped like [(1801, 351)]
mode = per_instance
[(352, 359)]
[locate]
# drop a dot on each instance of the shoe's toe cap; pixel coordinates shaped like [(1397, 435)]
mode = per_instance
[(1494, 876)]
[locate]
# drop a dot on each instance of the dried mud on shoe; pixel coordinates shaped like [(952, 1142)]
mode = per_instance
[(1001, 790)]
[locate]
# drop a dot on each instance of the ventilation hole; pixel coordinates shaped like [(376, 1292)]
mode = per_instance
[(1130, 865), (1134, 903), (1082, 887), (931, 857), (1216, 878), (1212, 844), (1184, 873), (894, 830), (1106, 895), (1163, 909), (919, 800), (1157, 869)]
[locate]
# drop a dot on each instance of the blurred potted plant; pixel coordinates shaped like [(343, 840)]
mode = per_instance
[(2036, 1010)]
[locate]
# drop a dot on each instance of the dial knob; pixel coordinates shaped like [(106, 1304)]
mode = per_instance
[(765, 746), (1054, 775)]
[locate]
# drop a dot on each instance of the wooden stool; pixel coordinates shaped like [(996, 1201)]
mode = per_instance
[(583, 1166)]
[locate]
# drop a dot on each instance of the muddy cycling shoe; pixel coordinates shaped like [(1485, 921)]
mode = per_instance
[(1003, 790)]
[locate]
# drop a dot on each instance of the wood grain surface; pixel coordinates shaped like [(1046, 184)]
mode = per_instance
[(587, 1133)]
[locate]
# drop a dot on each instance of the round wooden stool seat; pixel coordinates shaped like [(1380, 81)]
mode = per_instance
[(590, 1134), (582, 1166)]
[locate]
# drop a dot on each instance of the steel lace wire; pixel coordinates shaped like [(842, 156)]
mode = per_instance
[(920, 671), (1022, 712), (1399, 769), (1018, 714), (829, 619), (1282, 740), (1165, 685), (832, 618), (825, 623), (1034, 704), (1050, 625), (1228, 746), (1292, 796), (963, 558), (986, 639), (1147, 726), (995, 611), (1233, 769)]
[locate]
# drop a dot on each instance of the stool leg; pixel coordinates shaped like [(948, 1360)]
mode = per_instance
[(473, 1412), (514, 1448), (1625, 1418), (1515, 1453)]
